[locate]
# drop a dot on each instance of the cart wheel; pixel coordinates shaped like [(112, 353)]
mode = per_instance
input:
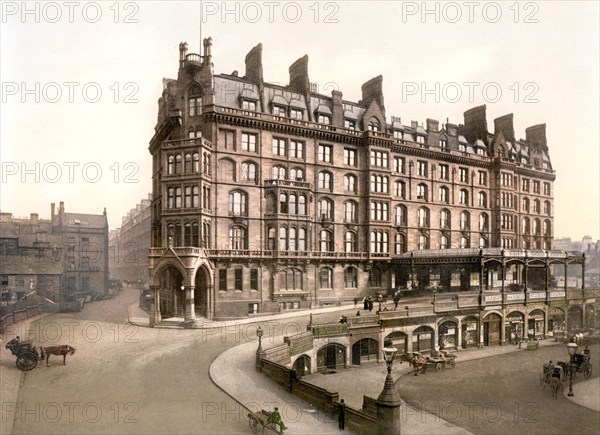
[(254, 424), (438, 367), (588, 370), (452, 363), (26, 361)]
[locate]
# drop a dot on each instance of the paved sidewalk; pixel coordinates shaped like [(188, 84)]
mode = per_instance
[(586, 393)]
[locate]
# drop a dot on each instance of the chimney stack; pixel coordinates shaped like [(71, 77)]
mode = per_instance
[(254, 68), (536, 135), (504, 124), (299, 81), (373, 90), (475, 124)]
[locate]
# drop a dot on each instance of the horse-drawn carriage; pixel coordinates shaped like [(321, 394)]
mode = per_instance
[(553, 376), (437, 360), (27, 355), (580, 364)]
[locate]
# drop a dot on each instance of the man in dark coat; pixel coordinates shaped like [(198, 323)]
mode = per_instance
[(342, 415)]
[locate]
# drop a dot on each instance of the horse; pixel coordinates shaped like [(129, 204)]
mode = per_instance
[(578, 339), (419, 362), (63, 349)]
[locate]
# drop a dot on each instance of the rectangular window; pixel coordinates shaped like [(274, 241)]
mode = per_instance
[(296, 114), (349, 157), (323, 119), (482, 178), (223, 280), (536, 186), (4, 280), (279, 111), (249, 142), (325, 152), (252, 308), (547, 189), (379, 159), (195, 106), (279, 147), (525, 185), (253, 279), (399, 165), (227, 139), (350, 124), (422, 168), (239, 281), (463, 175), (296, 149), (398, 134), (444, 172), (249, 105)]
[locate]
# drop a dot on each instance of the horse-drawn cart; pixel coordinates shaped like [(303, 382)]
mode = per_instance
[(27, 355), (262, 418), (553, 376), (436, 360)]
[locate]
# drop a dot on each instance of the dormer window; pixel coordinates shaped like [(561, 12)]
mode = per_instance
[(462, 147), (296, 114), (398, 134), (443, 143), (249, 105), (323, 119), (279, 110), (373, 125), (420, 139), (480, 152), (350, 124)]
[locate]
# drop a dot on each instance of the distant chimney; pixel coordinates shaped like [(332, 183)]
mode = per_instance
[(61, 208), (183, 49), (254, 68), (208, 48), (475, 124), (33, 217), (504, 124), (299, 81), (52, 208), (373, 90), (338, 108), (414, 124), (432, 125), (536, 135)]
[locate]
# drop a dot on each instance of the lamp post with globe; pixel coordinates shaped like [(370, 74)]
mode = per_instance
[(388, 402)]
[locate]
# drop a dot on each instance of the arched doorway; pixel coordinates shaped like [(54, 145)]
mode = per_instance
[(364, 350), (201, 292), (399, 340), (331, 357), (491, 329), (535, 324), (470, 332), (448, 335), (556, 321), (302, 365), (574, 319), (591, 322), (423, 339), (514, 327), (171, 298)]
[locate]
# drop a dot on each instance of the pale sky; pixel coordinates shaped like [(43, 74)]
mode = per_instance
[(82, 147)]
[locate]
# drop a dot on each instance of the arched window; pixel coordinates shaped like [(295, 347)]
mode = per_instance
[(178, 197), (445, 219), (350, 277), (170, 165), (178, 164), (373, 125), (278, 173), (296, 174), (444, 242), (536, 227), (483, 243), (301, 205), (536, 206), (238, 203), (195, 196), (400, 215), (464, 242), (283, 203), (292, 239), (301, 239), (526, 227), (171, 197), (423, 217), (249, 171), (237, 238), (195, 163), (350, 211), (444, 195), (465, 221), (422, 191), (463, 197), (547, 228), (187, 197), (483, 222), (271, 240), (325, 209), (188, 163), (400, 189), (482, 199), (325, 181), (325, 241), (525, 205), (400, 244), (177, 235), (350, 244), (423, 242), (293, 204), (547, 208), (283, 239), (350, 183)]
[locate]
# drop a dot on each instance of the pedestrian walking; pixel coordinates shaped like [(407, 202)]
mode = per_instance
[(396, 301), (342, 415), (370, 304), (355, 302), (366, 303)]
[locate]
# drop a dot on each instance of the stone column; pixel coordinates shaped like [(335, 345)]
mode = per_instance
[(155, 306), (189, 314)]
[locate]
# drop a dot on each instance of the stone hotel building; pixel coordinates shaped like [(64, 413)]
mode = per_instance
[(270, 198)]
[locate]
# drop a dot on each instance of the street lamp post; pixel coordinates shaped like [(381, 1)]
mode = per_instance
[(572, 348), (388, 402), (379, 299), (260, 353)]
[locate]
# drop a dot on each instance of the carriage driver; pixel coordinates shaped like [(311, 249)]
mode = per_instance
[(276, 418)]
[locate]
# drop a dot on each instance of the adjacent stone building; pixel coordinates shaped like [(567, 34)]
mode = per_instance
[(270, 197)]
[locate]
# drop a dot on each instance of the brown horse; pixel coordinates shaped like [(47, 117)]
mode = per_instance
[(63, 349), (419, 362)]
